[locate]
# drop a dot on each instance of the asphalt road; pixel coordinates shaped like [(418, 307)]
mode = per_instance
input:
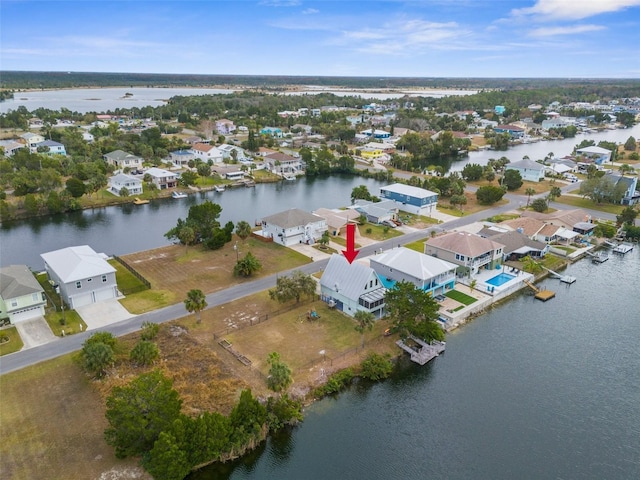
[(62, 346)]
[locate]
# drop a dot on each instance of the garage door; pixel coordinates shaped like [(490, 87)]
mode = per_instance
[(81, 300), (26, 314), (104, 294)]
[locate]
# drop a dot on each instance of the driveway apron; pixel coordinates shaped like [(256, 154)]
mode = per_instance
[(35, 332)]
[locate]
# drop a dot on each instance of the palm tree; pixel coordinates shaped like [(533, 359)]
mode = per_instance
[(472, 285), (195, 302), (243, 230), (365, 322), (528, 192)]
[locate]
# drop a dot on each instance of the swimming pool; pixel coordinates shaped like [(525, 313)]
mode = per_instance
[(500, 279)]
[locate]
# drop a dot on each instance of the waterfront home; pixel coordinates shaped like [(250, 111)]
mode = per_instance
[(121, 160), (282, 163), (49, 147), (380, 134), (337, 220), (597, 155), (433, 275), (410, 199), (181, 158), (122, 180), (514, 131), (225, 127), (470, 252), (518, 245), (32, 140), (206, 152), (10, 147), (21, 296), (563, 218), (378, 212), (293, 226), (229, 155), (162, 178), (83, 276), (370, 152), (352, 287), (529, 170)]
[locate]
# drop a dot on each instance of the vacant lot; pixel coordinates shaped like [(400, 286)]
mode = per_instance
[(176, 269)]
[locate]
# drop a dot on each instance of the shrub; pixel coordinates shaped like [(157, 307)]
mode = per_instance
[(144, 353), (539, 205), (149, 330), (376, 367), (336, 382), (283, 411)]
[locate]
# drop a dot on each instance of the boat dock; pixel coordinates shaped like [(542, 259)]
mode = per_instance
[(623, 248), (426, 351), (598, 257), (543, 295), (563, 278)]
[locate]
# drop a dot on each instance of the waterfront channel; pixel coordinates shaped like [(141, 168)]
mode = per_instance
[(529, 390)]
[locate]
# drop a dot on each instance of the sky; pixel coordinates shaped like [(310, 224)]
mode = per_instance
[(392, 38)]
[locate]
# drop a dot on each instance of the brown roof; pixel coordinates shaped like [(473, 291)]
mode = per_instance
[(464, 243), (530, 226), (568, 217), (202, 147), (280, 157)]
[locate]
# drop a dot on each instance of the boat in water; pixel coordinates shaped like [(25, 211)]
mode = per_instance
[(219, 188), (139, 201), (176, 194)]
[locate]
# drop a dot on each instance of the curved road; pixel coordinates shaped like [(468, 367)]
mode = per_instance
[(24, 358)]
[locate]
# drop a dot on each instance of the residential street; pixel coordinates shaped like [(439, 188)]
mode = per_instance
[(61, 346)]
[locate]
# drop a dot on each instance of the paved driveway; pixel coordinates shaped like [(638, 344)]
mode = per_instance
[(99, 315), (35, 332)]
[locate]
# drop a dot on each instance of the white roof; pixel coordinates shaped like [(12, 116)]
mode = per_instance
[(403, 189), (160, 172), (593, 149), (346, 278), (77, 263), (415, 264)]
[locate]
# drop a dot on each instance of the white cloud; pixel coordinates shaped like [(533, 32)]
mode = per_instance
[(572, 9), (310, 11), (279, 3), (565, 30)]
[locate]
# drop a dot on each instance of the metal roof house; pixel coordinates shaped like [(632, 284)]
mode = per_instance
[(430, 274), (410, 199), (21, 296), (82, 275), (352, 287), (529, 170)]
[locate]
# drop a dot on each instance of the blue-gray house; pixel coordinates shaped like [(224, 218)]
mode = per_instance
[(410, 199)]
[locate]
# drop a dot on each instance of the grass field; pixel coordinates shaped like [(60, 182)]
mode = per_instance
[(176, 269), (458, 296), (580, 202)]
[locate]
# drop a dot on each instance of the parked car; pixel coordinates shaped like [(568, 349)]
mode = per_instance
[(388, 223)]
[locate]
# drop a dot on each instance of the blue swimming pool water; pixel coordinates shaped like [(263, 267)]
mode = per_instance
[(500, 279)]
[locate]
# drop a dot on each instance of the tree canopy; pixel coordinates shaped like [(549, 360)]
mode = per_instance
[(413, 311), (293, 287)]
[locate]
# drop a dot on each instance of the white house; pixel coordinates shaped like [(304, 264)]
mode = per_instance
[(227, 152), (10, 147), (32, 140), (529, 170), (352, 287), (122, 180), (21, 296), (52, 148), (225, 127), (82, 275), (181, 158), (206, 152), (162, 178), (471, 252), (293, 226), (598, 155)]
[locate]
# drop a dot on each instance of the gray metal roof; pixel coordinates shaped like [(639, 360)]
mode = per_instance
[(410, 190), (77, 263), (347, 279), (16, 281), (292, 218)]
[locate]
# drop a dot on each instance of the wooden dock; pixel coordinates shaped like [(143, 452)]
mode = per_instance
[(543, 295), (426, 351), (623, 248)]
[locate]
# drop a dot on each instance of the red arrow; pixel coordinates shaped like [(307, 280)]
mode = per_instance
[(351, 253)]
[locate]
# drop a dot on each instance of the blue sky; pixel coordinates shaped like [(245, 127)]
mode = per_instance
[(426, 38)]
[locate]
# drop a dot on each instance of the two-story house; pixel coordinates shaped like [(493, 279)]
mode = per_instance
[(471, 252), (431, 274), (225, 127), (21, 296), (49, 147), (162, 178), (206, 152), (82, 276), (352, 287), (121, 160), (293, 226), (32, 140), (410, 199), (122, 180)]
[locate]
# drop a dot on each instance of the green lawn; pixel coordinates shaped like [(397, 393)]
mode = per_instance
[(127, 282), (14, 343), (418, 245), (580, 202), (378, 232), (460, 297), (73, 323)]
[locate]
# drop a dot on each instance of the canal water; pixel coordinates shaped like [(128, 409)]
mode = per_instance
[(131, 228), (529, 390)]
